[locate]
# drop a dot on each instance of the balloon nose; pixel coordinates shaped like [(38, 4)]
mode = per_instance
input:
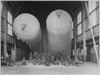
[(27, 28)]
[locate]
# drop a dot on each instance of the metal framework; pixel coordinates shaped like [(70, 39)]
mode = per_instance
[(94, 42)]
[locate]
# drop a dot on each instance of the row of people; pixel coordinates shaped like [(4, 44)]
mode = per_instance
[(48, 58)]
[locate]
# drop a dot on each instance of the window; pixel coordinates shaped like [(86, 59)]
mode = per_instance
[(79, 29), (9, 29), (79, 18), (9, 23), (93, 18), (9, 17), (92, 5)]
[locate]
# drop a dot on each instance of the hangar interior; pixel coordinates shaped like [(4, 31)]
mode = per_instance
[(83, 36)]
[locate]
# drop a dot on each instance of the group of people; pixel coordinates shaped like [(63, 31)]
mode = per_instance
[(80, 54), (9, 61), (48, 58)]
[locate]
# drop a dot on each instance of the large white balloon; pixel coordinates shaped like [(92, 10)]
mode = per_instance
[(27, 28), (59, 25)]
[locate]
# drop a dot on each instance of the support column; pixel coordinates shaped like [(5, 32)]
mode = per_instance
[(5, 29), (75, 38), (98, 14), (99, 32), (75, 33), (84, 37), (14, 38), (15, 48)]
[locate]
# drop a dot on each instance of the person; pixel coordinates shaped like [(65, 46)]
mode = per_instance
[(12, 62), (30, 57), (23, 61), (2, 58), (7, 60), (57, 62), (37, 55), (93, 55), (34, 55), (43, 59), (77, 53), (69, 61), (62, 61), (73, 52), (52, 59), (76, 58), (80, 54), (49, 56)]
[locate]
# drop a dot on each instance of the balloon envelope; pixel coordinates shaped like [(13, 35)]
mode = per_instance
[(59, 25), (27, 28)]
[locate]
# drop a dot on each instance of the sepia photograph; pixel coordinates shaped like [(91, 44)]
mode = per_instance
[(50, 37)]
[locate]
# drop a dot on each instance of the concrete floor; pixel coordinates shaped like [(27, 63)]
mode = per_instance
[(86, 68)]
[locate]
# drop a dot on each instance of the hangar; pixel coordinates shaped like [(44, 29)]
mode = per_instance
[(59, 30)]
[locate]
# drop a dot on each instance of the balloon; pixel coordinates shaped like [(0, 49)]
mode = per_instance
[(59, 25), (27, 28)]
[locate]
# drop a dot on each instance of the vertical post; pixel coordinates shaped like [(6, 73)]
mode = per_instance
[(15, 48), (1, 23), (99, 32), (94, 42), (5, 30), (97, 12), (75, 35), (84, 37)]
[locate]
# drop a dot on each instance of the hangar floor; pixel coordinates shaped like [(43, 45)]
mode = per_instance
[(86, 68)]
